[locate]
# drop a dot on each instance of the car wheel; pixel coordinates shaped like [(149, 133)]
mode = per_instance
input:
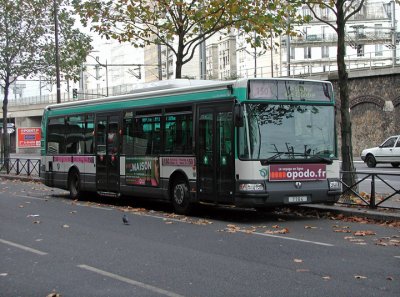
[(74, 185), (371, 162), (181, 197), (395, 165)]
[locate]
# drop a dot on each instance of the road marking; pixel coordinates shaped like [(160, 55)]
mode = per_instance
[(398, 257), (22, 247), (129, 281), (289, 238)]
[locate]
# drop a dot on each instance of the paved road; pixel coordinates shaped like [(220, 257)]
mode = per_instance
[(82, 248)]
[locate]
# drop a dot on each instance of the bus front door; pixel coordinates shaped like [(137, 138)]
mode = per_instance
[(215, 160), (107, 153)]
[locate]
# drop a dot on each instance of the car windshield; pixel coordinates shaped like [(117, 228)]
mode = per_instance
[(287, 132)]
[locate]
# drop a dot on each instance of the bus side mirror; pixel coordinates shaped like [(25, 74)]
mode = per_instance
[(238, 115)]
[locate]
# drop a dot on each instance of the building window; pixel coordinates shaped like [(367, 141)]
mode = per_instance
[(325, 51), (292, 55), (306, 11), (307, 52), (360, 50), (378, 50)]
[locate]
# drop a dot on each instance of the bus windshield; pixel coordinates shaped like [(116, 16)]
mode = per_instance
[(273, 132)]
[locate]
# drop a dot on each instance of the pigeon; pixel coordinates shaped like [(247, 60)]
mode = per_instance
[(125, 219)]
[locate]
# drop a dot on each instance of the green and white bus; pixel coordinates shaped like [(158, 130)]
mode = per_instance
[(256, 143)]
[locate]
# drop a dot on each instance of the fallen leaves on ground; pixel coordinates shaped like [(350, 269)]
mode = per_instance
[(388, 241), (355, 240), (53, 295), (364, 233), (310, 227), (280, 231), (231, 228), (341, 229)]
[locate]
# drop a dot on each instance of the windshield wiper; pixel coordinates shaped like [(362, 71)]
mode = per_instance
[(278, 154), (291, 158), (307, 158)]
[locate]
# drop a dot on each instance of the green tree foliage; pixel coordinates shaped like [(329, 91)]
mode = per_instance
[(27, 45), (182, 25), (343, 11)]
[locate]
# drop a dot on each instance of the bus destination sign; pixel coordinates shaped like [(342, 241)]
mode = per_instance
[(289, 90)]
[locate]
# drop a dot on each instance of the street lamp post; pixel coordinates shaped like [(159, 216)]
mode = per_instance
[(57, 53)]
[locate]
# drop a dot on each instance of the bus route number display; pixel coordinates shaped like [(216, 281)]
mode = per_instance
[(289, 90)]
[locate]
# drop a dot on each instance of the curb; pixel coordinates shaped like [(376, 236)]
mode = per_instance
[(21, 177), (382, 214)]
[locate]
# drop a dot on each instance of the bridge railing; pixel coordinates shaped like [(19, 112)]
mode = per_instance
[(20, 166), (387, 196)]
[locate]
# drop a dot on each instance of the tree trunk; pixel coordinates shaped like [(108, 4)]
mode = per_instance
[(179, 61), (349, 176), (5, 143)]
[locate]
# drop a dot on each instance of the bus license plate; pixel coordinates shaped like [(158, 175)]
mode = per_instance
[(297, 199)]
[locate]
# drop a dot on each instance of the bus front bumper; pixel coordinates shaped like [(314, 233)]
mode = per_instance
[(279, 194)]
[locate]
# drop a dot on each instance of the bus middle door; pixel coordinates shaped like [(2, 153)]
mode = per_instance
[(215, 154), (107, 153)]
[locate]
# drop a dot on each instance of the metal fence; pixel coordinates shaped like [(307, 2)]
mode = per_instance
[(384, 195), (20, 166)]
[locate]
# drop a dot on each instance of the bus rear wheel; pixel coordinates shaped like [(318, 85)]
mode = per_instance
[(181, 197), (74, 185)]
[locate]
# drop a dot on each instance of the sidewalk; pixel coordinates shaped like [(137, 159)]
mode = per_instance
[(379, 214)]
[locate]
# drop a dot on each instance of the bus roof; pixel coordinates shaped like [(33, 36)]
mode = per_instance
[(153, 89), (163, 90)]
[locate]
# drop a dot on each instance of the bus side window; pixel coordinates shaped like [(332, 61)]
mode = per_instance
[(127, 135), (75, 134), (89, 132), (178, 134), (56, 136)]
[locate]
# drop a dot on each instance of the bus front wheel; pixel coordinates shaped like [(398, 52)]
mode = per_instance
[(181, 197), (74, 185)]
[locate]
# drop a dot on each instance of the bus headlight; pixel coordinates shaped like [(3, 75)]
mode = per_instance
[(334, 185), (251, 187)]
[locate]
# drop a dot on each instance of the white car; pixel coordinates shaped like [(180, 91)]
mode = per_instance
[(387, 152)]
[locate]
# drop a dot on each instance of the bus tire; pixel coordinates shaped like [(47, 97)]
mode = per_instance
[(74, 185), (180, 196)]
